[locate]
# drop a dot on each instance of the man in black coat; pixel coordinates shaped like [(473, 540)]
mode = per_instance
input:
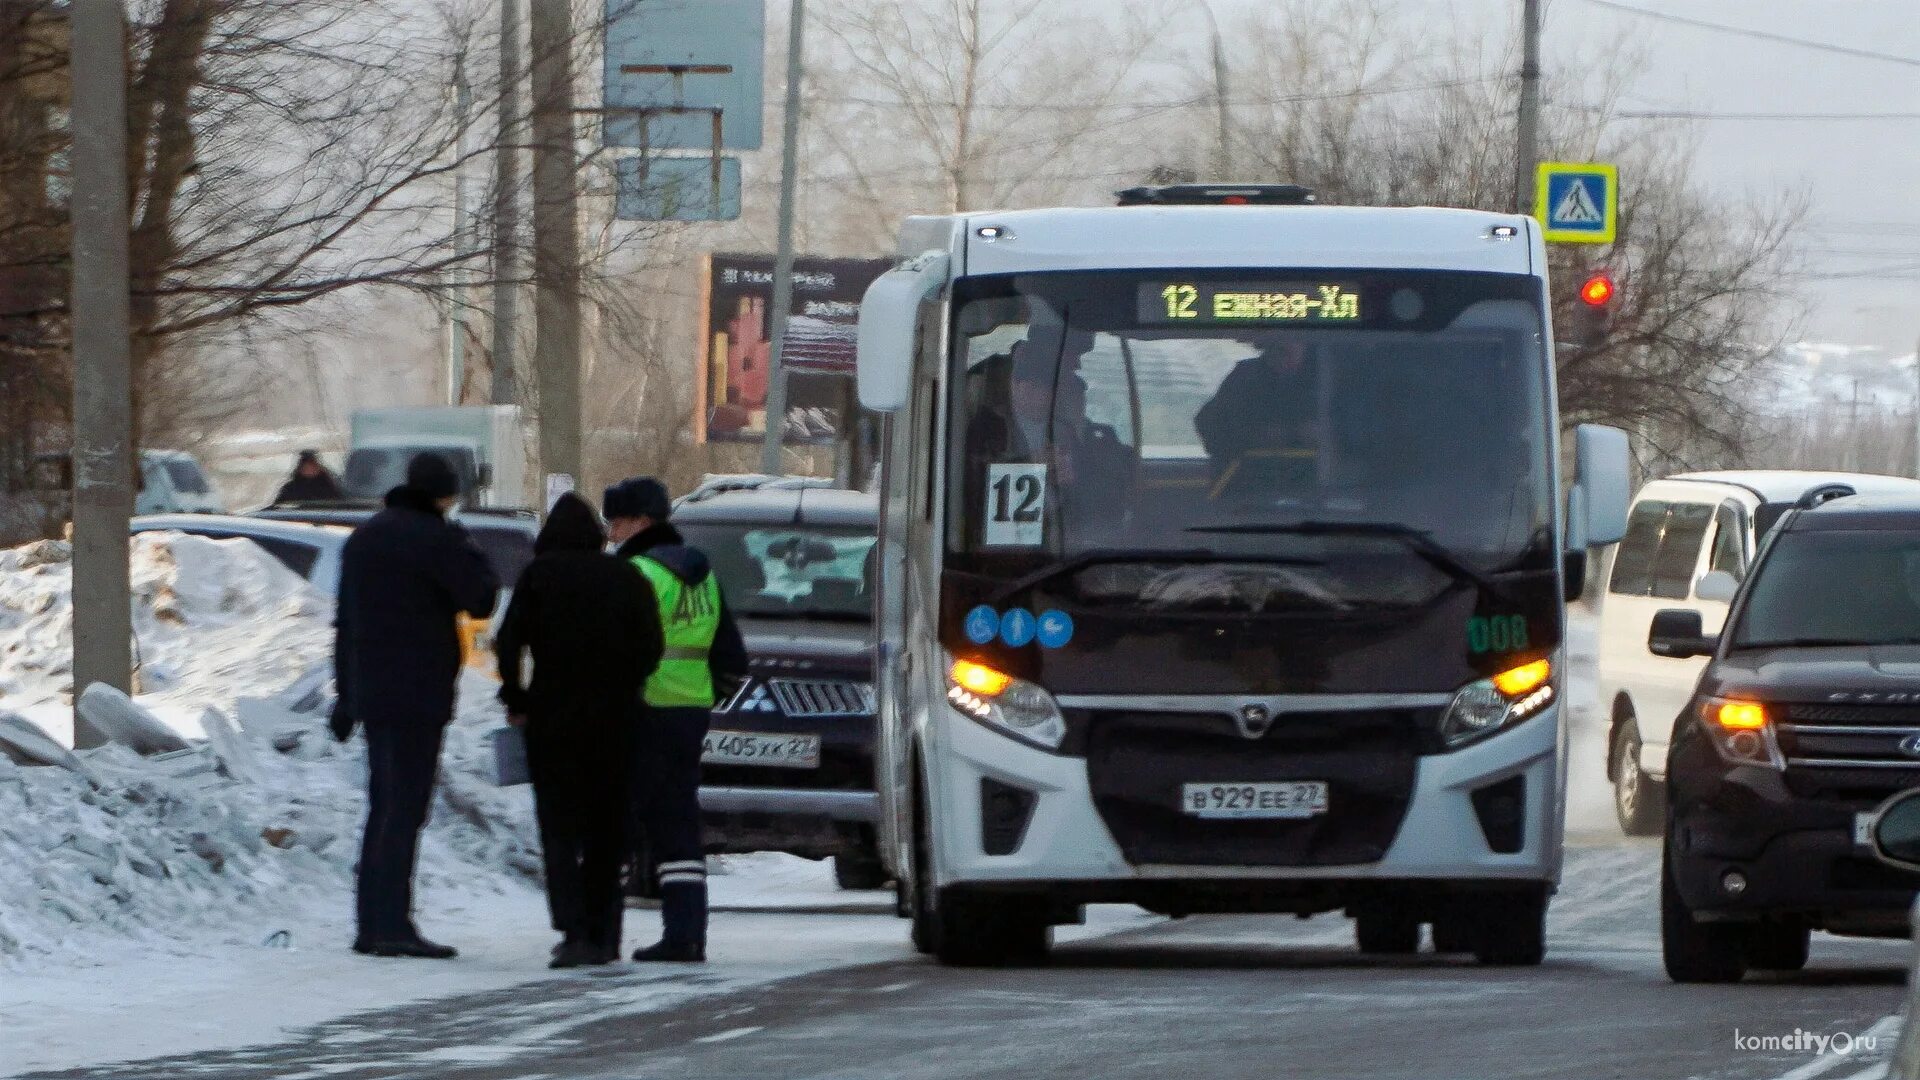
[(679, 698), (593, 628), (405, 578), (311, 482)]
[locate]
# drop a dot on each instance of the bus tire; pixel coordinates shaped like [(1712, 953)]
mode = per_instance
[(1512, 928), (988, 930)]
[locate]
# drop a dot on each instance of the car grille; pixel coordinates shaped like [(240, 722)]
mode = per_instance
[(1137, 762), (1850, 736), (822, 697)]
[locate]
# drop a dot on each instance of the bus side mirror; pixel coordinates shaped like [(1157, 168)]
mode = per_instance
[(1597, 502), (889, 324)]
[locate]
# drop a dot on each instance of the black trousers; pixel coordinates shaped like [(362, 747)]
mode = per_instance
[(668, 798), (402, 762), (581, 795)]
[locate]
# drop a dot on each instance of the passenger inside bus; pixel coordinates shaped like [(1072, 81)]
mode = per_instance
[(1259, 429)]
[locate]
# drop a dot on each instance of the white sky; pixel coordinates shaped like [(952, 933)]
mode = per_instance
[(1862, 177)]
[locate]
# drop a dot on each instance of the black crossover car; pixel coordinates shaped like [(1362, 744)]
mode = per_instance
[(1806, 721), (789, 760)]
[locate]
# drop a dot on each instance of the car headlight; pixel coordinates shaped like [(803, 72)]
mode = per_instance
[(998, 700), (1741, 731), (1485, 706)]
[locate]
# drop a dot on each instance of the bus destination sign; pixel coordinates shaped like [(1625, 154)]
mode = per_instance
[(1171, 303)]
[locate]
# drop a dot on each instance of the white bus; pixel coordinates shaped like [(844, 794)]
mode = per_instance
[(1224, 568)]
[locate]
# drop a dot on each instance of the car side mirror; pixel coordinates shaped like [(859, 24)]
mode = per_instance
[(1716, 587), (1896, 831), (889, 326), (1677, 634)]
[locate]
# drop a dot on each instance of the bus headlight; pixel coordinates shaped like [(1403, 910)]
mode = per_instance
[(1015, 706), (1484, 706)]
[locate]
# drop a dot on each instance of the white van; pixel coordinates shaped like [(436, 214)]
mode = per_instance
[(1690, 539), (172, 482)]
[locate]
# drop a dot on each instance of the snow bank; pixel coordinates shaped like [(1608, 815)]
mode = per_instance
[(260, 820)]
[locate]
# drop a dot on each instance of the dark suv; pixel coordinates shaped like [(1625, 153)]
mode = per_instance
[(789, 760), (1806, 720)]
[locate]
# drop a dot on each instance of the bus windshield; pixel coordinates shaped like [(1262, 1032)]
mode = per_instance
[(1309, 418)]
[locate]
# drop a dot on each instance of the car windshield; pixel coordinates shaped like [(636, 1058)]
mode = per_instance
[(793, 572), (186, 476), (1109, 413), (1839, 587)]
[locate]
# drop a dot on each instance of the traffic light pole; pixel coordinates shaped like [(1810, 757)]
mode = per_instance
[(103, 451)]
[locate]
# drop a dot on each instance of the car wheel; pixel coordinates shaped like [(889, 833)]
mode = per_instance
[(1510, 928), (1386, 933), (1779, 946), (860, 870), (1639, 801), (1697, 952)]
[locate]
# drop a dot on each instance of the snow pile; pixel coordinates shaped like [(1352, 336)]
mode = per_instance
[(259, 824), (205, 612)]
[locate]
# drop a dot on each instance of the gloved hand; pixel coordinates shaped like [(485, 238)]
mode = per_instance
[(340, 722)]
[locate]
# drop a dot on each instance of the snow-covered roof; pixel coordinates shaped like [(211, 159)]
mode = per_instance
[(1787, 485)]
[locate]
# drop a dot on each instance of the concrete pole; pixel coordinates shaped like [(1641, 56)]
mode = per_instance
[(103, 454), (457, 299), (1526, 154), (783, 260), (556, 239), (1223, 144), (506, 211)]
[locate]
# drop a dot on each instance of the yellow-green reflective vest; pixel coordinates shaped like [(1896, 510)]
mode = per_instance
[(689, 619)]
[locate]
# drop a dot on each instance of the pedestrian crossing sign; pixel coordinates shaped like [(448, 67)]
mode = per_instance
[(1577, 203)]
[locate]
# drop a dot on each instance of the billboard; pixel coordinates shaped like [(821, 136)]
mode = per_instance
[(737, 344)]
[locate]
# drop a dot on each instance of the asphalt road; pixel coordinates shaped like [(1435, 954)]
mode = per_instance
[(1212, 998)]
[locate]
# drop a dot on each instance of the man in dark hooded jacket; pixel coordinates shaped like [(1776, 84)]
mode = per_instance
[(702, 649), (311, 482), (405, 577), (593, 629)]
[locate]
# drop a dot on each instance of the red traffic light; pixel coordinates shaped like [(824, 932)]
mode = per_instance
[(1597, 290)]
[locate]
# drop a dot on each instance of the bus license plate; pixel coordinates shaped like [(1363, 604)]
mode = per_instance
[(1285, 799), (751, 748)]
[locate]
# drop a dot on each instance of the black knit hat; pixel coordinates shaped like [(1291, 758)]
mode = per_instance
[(639, 496), (431, 475)]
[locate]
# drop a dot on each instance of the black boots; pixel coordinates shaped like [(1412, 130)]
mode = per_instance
[(673, 953), (413, 947)]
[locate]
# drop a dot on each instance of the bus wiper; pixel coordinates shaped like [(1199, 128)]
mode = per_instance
[(1114, 556), (1416, 540)]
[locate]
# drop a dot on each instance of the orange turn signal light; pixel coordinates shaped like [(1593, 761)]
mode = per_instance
[(1740, 716), (1515, 682), (980, 679)]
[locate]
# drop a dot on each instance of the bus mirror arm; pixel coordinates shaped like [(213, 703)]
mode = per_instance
[(889, 327)]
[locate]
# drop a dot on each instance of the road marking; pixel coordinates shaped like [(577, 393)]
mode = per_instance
[(894, 988), (728, 1036)]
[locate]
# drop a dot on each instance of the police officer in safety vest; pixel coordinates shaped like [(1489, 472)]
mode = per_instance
[(703, 651)]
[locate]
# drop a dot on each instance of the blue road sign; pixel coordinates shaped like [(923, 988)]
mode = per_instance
[(983, 625), (1017, 627), (675, 189), (1577, 203), (1056, 629), (674, 67)]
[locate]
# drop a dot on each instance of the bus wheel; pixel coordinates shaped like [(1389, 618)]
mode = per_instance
[(1386, 933), (1512, 930), (990, 930)]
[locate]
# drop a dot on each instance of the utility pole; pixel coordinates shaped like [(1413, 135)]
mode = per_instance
[(783, 259), (506, 211), (1223, 146), (457, 299), (1526, 155), (103, 453), (556, 239)]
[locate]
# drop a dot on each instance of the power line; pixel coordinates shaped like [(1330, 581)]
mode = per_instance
[(1151, 105), (1692, 114), (1762, 35)]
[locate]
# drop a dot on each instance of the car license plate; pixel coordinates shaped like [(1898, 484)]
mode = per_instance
[(753, 748), (1863, 829), (1284, 799)]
